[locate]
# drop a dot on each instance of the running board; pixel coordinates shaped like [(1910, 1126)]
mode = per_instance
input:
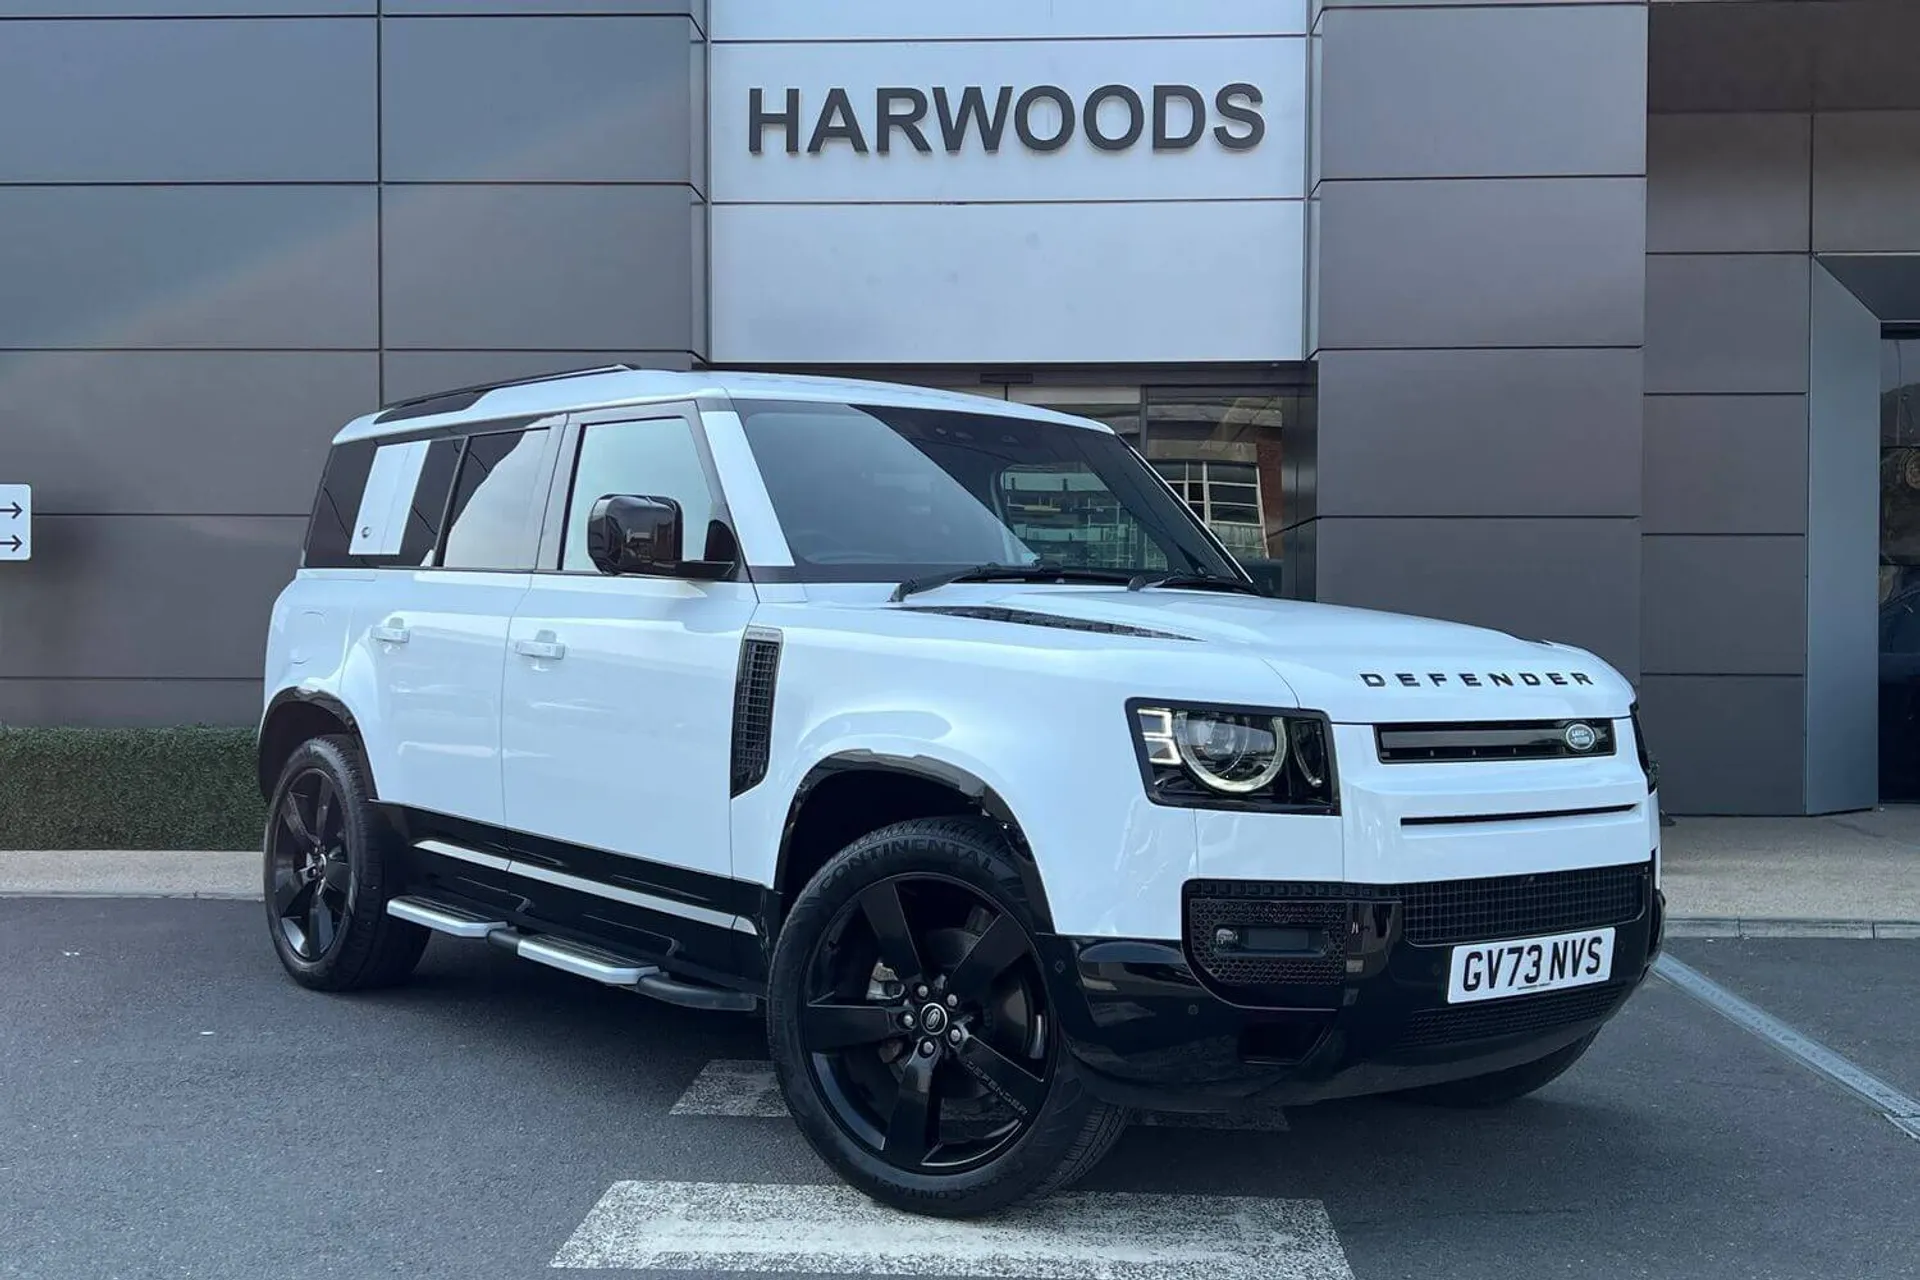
[(570, 957)]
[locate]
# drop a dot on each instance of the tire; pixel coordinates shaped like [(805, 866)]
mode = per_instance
[(1501, 1087), (328, 874), (1009, 1118)]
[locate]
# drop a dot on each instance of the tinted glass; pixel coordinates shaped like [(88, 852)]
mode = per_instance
[(330, 529), (487, 524), (869, 493), (651, 458)]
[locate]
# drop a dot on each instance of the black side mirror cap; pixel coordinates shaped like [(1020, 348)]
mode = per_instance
[(642, 534)]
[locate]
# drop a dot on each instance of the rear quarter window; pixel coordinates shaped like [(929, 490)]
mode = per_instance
[(380, 503)]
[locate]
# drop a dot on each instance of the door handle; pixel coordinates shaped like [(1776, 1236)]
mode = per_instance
[(541, 646), (394, 632)]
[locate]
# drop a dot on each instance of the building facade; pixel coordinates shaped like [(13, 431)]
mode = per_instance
[(1588, 320)]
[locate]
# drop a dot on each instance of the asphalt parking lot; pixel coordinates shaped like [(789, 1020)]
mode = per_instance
[(172, 1106)]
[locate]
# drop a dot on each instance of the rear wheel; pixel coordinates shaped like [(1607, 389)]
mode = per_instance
[(327, 875), (912, 1030), (1501, 1087)]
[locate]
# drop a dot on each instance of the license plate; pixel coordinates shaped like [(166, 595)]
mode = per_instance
[(1522, 966)]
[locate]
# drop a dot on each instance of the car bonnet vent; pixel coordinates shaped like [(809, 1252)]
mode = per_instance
[(753, 707), (1031, 618)]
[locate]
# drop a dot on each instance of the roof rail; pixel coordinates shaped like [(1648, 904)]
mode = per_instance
[(456, 398)]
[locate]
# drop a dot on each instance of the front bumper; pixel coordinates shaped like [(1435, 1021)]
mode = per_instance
[(1354, 1004)]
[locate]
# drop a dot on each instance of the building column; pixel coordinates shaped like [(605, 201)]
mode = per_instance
[(1478, 241)]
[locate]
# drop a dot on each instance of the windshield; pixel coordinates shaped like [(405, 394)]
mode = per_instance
[(867, 492)]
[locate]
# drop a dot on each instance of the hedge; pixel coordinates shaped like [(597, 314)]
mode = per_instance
[(191, 787)]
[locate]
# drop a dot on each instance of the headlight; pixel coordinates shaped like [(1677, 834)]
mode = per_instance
[(1234, 757)]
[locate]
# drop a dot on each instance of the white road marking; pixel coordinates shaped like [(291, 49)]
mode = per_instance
[(732, 1087), (745, 1087), (835, 1230), (1902, 1110)]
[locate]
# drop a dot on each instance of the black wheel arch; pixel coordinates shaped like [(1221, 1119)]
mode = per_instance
[(895, 788), (292, 717)]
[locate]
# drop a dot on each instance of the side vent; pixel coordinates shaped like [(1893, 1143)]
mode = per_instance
[(753, 707)]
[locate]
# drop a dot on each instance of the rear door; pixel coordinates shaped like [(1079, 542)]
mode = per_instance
[(454, 527)]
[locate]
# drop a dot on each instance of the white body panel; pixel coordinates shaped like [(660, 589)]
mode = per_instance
[(624, 743), (613, 745)]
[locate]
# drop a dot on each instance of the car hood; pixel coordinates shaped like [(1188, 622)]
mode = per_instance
[(1357, 665)]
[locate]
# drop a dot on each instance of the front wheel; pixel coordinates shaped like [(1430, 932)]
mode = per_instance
[(912, 1032)]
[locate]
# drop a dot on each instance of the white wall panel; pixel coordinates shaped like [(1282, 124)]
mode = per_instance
[(994, 283), (1177, 152), (998, 19)]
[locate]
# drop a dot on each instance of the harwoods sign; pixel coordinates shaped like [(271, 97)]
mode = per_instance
[(1174, 117)]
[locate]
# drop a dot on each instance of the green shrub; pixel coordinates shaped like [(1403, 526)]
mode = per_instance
[(191, 787)]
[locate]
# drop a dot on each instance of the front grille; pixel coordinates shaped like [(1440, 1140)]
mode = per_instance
[(1325, 922), (1448, 911), (1492, 740), (1516, 1015)]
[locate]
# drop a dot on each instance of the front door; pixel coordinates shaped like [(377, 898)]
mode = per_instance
[(618, 694)]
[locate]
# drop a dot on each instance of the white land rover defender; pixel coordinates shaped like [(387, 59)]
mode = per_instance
[(940, 728)]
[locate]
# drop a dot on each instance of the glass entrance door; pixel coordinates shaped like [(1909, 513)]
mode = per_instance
[(1900, 571)]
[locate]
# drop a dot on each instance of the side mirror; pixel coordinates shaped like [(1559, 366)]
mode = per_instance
[(631, 534)]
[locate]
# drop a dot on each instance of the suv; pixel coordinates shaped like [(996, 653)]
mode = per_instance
[(941, 732)]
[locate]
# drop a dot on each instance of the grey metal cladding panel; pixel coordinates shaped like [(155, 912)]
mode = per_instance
[(214, 101), (101, 704), (695, 9), (1728, 183), (1489, 263), (194, 266), (557, 268), (187, 432), (419, 373), (147, 596), (577, 99), (1726, 464), (1866, 182), (1480, 432), (1727, 744), (1472, 92), (184, 9), (1575, 581), (1724, 605), (1731, 57), (1727, 323)]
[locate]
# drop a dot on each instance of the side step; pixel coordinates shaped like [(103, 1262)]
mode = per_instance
[(570, 957)]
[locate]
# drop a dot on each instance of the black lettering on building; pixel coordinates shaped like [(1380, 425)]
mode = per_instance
[(973, 105), (758, 118), (1227, 103), (1163, 96), (836, 122), (888, 117), (1023, 117), (1136, 117)]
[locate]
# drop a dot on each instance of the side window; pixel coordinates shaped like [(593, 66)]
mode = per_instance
[(398, 521), (380, 504), (330, 530), (499, 482), (650, 457)]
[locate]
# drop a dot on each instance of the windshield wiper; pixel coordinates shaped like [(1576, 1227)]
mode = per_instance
[(991, 572), (1205, 581)]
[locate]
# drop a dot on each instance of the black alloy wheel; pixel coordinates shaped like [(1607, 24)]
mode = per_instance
[(330, 864), (917, 1041), (313, 882), (926, 1023)]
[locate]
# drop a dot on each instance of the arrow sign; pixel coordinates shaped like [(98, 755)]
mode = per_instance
[(16, 521)]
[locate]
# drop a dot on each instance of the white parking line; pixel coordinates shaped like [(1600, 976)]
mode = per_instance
[(744, 1087), (834, 1230)]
